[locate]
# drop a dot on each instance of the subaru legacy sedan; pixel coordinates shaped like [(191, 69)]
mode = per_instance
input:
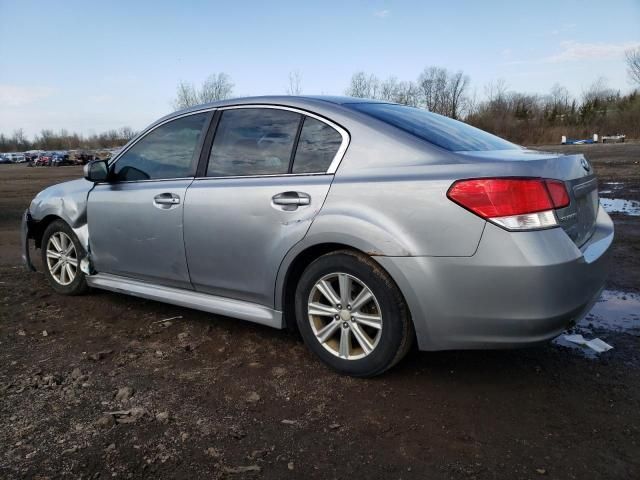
[(367, 226)]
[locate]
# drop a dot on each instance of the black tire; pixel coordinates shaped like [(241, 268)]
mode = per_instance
[(397, 334), (79, 284)]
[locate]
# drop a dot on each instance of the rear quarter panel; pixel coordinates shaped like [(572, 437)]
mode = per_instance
[(398, 213), (388, 196)]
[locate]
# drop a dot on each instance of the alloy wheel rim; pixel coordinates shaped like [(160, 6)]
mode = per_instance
[(62, 260), (345, 316)]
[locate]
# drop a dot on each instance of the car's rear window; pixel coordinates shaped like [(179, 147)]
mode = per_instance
[(437, 129)]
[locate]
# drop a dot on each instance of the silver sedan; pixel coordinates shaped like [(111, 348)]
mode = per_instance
[(367, 226)]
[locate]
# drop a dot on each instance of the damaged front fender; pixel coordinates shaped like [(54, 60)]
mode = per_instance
[(67, 201)]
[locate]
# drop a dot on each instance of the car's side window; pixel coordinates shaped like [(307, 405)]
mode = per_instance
[(167, 152), (317, 147), (253, 141)]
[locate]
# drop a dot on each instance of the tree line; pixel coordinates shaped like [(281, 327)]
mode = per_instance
[(64, 140), (517, 116), (529, 119)]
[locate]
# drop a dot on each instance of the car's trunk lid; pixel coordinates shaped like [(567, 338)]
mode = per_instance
[(579, 218)]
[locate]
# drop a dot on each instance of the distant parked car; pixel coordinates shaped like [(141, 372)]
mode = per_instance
[(31, 156), (44, 160), (4, 160), (14, 157), (366, 225), (59, 159), (82, 158), (617, 138)]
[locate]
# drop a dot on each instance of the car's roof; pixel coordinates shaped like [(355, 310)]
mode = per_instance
[(340, 100), (313, 103), (300, 101)]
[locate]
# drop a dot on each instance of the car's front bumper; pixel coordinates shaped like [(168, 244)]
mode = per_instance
[(519, 288), (25, 228)]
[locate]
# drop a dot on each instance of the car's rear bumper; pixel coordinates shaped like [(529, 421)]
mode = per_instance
[(24, 240), (519, 288)]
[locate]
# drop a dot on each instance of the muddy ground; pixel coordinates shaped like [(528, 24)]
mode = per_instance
[(201, 396)]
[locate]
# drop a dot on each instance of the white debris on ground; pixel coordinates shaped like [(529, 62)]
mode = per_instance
[(597, 345)]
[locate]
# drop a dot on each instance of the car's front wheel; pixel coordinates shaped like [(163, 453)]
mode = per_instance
[(61, 255), (351, 314)]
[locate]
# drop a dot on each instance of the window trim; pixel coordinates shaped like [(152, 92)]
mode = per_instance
[(296, 145), (333, 166), (196, 154), (296, 140)]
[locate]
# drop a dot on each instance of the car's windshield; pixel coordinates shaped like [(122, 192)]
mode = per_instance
[(437, 129)]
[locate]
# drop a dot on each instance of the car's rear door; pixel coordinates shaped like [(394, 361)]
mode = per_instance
[(265, 179), (135, 220)]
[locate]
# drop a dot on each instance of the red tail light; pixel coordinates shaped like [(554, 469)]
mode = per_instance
[(558, 192), (513, 203)]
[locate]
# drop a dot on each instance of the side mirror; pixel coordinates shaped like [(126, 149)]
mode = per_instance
[(96, 171)]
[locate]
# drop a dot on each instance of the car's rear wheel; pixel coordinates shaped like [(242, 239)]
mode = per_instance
[(61, 256), (351, 314)]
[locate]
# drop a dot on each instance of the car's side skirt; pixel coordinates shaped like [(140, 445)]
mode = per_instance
[(188, 298)]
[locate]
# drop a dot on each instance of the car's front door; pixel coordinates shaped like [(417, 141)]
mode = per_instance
[(267, 176), (135, 220)]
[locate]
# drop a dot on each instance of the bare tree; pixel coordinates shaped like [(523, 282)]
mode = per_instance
[(295, 83), (496, 91), (392, 90), (458, 83), (432, 83), (443, 92), (215, 87), (186, 96), (633, 64), (46, 139), (20, 139), (127, 133), (496, 95), (559, 97), (598, 90), (363, 86), (407, 93), (389, 89), (473, 103)]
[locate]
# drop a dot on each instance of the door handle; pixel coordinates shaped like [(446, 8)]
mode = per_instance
[(166, 199), (291, 199)]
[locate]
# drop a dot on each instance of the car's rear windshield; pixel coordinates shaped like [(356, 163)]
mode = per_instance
[(437, 129)]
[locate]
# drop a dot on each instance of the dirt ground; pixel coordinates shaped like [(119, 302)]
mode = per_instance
[(200, 396)]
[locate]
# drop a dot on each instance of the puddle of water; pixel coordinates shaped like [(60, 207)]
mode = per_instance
[(610, 187), (615, 312), (618, 205)]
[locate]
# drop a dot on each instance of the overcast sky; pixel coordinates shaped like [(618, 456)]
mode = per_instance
[(89, 66)]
